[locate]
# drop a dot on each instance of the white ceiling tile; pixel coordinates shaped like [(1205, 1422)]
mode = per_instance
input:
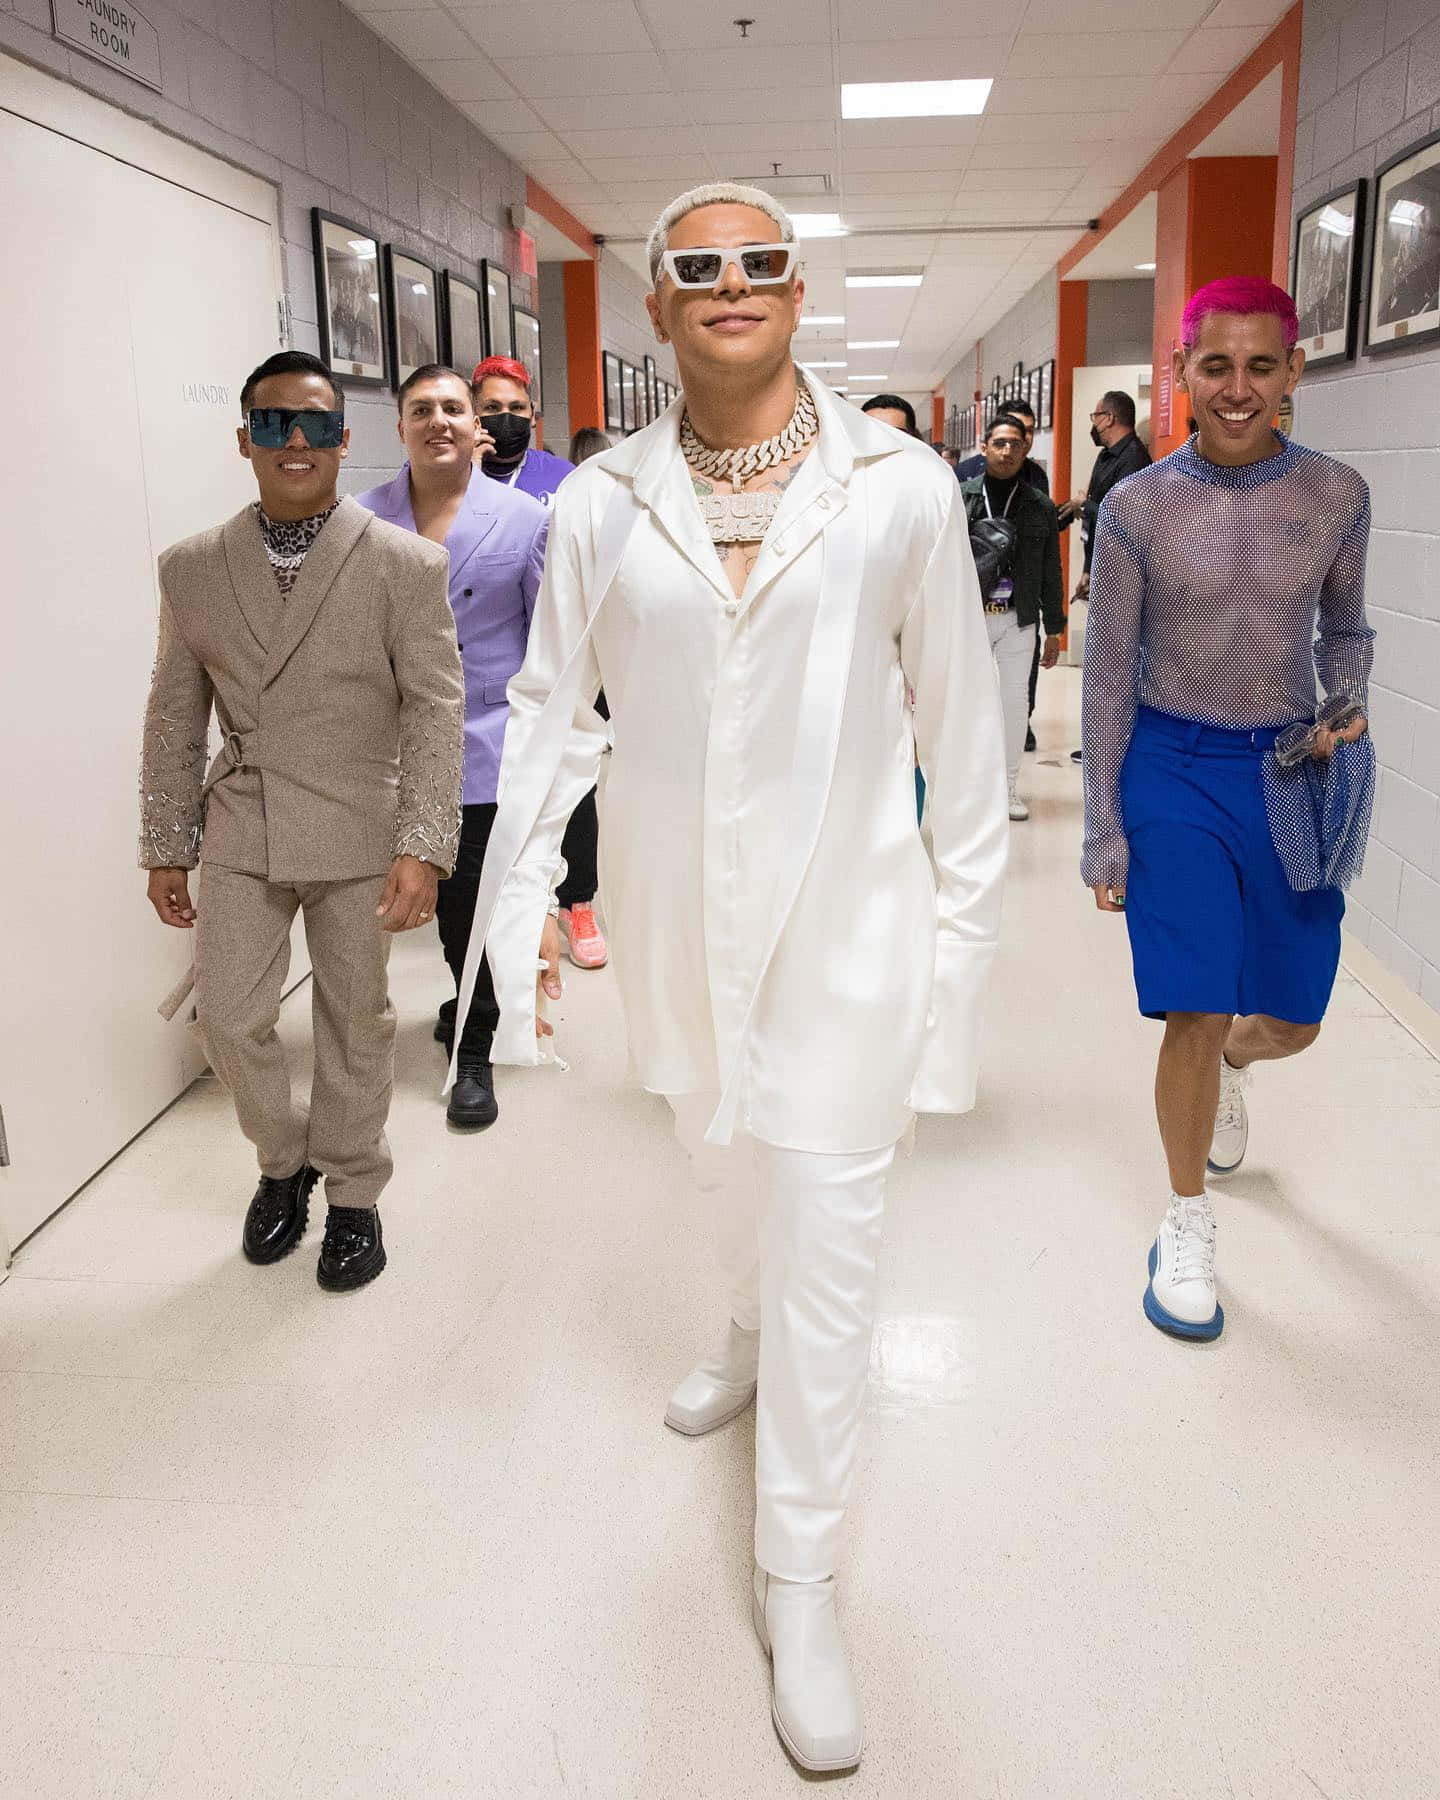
[(680, 171), (544, 146), (655, 141), (365, 7), (554, 76), (682, 25), (465, 79), (495, 117), (1216, 52), (924, 59), (781, 142), (561, 172), (1067, 133), (981, 180), (759, 105), (889, 159), (422, 36), (1076, 57), (746, 67), (1248, 12), (921, 181), (861, 21), (611, 112), (1105, 16), (999, 157), (916, 134), (541, 27), (1049, 97)]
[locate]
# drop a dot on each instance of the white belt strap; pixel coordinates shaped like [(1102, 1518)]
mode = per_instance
[(529, 784)]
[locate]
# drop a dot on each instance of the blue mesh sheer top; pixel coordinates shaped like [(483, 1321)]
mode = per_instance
[(1218, 594)]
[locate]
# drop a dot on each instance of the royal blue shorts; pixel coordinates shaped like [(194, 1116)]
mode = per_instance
[(1215, 927)]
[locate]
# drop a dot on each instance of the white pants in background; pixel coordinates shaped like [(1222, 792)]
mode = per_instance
[(1013, 647), (798, 1238)]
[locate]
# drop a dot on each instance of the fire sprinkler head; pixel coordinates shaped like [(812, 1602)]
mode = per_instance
[(744, 25)]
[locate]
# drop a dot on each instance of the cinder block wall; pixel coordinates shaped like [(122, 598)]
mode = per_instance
[(1369, 88), (302, 93)]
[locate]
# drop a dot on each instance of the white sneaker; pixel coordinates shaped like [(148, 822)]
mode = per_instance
[(815, 1704), (1018, 808), (1232, 1122), (1181, 1296), (720, 1388)]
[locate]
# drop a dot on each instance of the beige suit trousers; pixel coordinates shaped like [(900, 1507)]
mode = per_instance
[(242, 954)]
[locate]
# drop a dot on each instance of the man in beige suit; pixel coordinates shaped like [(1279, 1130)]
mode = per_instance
[(324, 639)]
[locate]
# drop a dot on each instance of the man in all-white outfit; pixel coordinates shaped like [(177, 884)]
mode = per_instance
[(757, 579)]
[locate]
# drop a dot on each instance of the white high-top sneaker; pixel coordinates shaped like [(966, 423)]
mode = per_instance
[(1232, 1122), (816, 1707), (1181, 1296), (1018, 808), (720, 1388)]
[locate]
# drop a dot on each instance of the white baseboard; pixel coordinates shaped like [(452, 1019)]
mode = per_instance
[(1420, 1020)]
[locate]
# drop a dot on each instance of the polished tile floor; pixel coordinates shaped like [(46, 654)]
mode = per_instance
[(432, 1540)]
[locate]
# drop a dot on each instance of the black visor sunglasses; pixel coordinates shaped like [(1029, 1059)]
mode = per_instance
[(270, 427)]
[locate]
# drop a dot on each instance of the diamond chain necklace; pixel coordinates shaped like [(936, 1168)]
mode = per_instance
[(751, 459)]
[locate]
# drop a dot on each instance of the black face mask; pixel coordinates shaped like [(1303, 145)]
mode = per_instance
[(511, 432), (1095, 437)]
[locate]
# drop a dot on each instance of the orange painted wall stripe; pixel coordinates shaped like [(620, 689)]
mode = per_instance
[(582, 344), (1280, 49), (1285, 170), (542, 201), (1072, 323)]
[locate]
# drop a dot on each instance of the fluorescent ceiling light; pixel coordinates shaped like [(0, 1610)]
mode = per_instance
[(823, 319), (815, 225), (912, 99), (883, 281), (811, 363), (862, 379), (1407, 212), (1338, 224), (1146, 268), (876, 344), (363, 248)]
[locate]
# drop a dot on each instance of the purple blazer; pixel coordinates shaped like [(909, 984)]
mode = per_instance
[(497, 554)]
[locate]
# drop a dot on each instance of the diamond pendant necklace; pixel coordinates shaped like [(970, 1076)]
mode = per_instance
[(739, 518)]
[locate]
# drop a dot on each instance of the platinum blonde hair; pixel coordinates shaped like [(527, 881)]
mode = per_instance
[(713, 193)]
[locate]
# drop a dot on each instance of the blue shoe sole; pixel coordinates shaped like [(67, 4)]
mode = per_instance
[(1179, 1328)]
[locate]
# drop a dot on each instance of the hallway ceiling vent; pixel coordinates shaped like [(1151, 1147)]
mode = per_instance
[(790, 187)]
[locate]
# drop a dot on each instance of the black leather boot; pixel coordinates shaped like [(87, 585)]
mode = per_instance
[(354, 1249), (472, 1099), (445, 1025), (278, 1215)]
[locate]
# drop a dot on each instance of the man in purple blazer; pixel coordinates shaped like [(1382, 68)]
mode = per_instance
[(496, 539)]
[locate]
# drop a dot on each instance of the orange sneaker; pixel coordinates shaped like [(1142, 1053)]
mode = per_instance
[(584, 939)]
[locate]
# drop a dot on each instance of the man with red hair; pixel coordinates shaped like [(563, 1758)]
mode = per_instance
[(1226, 578), (506, 410)]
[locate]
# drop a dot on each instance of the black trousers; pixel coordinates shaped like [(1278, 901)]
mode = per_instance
[(455, 914), (1035, 667), (581, 850)]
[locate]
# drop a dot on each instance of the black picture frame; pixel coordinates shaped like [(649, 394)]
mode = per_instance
[(611, 369), (1393, 320), (463, 323), (1047, 395), (652, 391), (1325, 274), (412, 303), (629, 421), (495, 294), (354, 340), (525, 331)]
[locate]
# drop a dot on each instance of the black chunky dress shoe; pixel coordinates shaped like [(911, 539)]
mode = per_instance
[(278, 1215), (354, 1249), (472, 1099), (445, 1025)]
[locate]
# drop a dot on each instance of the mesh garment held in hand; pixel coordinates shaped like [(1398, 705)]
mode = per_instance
[(1218, 595)]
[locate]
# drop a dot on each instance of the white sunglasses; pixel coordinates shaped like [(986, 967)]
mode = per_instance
[(763, 265)]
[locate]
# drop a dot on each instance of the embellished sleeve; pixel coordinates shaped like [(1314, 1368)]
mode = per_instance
[(172, 756), (426, 662), (1109, 694), (1345, 642)]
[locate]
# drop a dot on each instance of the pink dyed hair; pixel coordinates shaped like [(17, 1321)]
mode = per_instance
[(1239, 294)]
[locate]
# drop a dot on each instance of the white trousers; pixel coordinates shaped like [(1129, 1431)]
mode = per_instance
[(1013, 647), (798, 1240)]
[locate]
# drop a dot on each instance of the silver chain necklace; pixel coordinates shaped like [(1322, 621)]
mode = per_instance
[(739, 518)]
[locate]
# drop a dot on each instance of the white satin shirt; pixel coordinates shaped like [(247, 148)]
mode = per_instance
[(780, 930)]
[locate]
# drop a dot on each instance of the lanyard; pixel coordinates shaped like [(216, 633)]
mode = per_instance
[(1009, 499)]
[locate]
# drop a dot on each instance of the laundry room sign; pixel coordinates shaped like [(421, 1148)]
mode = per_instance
[(114, 32)]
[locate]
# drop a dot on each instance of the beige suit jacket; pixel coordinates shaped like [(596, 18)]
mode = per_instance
[(342, 705)]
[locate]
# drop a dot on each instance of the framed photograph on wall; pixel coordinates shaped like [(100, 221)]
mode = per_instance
[(412, 293), (347, 288), (1404, 302), (464, 326), (1047, 396), (499, 330), (652, 389), (614, 403), (525, 329), (1326, 277), (627, 397)]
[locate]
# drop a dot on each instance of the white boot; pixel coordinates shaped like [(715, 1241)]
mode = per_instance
[(1018, 808), (1181, 1296), (720, 1389), (1232, 1122), (815, 1707)]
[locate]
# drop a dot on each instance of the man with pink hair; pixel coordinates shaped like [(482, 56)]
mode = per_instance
[(1226, 578)]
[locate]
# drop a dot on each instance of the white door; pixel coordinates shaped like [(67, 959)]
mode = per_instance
[(1090, 384), (134, 307)]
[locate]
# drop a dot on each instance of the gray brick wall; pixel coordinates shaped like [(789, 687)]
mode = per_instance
[(1370, 86), (1027, 334), (303, 94), (625, 328)]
